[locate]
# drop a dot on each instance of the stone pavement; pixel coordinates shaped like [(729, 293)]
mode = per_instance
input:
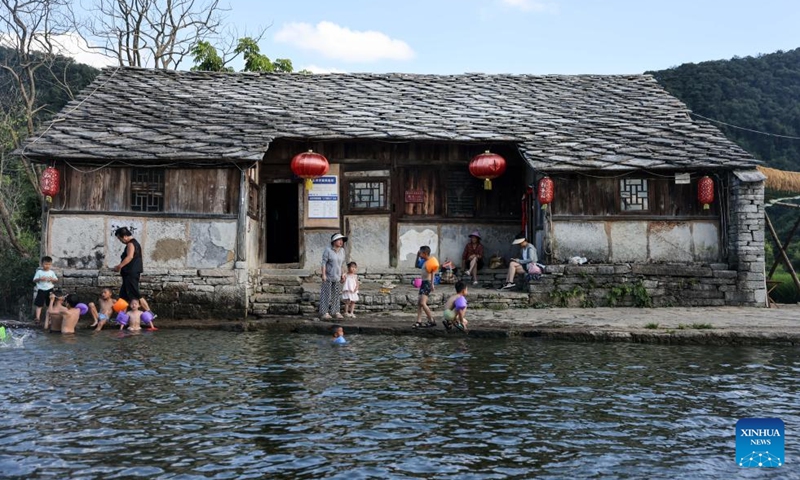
[(678, 325)]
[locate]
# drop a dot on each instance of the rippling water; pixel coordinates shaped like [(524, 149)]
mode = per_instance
[(183, 404)]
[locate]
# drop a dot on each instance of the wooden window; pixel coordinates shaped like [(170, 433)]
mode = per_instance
[(461, 190), (368, 194), (634, 195), (147, 189)]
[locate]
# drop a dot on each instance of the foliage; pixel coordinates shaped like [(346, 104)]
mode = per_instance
[(652, 326), (641, 298), (758, 93), (207, 59), (15, 282), (786, 292)]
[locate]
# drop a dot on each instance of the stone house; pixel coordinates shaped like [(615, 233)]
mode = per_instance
[(198, 164)]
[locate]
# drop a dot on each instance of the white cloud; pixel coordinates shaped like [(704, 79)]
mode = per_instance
[(316, 69), (70, 45), (531, 5), (341, 43)]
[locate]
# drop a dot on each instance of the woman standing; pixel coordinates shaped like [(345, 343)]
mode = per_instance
[(472, 258), (130, 267), (333, 274)]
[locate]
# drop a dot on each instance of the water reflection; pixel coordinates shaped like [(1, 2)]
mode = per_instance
[(227, 405)]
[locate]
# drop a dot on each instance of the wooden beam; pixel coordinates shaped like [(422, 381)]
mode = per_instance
[(786, 260), (786, 242)]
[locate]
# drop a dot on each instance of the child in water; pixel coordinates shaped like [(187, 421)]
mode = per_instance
[(134, 317), (455, 309), (350, 290), (338, 335), (102, 314)]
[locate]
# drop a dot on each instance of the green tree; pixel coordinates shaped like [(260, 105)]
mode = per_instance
[(207, 58)]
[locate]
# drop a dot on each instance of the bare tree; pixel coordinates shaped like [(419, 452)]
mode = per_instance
[(30, 29), (152, 33)]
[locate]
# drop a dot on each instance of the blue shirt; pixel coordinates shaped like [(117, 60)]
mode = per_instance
[(339, 340)]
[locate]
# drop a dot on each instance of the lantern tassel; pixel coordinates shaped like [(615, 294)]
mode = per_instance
[(309, 184), (705, 206), (487, 184), (544, 207)]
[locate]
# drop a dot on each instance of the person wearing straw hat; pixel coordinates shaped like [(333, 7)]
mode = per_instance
[(333, 274), (518, 265), (472, 258)]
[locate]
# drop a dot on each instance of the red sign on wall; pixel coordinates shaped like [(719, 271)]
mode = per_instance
[(415, 196)]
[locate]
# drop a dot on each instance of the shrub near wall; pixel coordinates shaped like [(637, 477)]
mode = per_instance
[(786, 292), (16, 284)]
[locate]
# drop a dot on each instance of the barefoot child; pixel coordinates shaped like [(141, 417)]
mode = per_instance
[(106, 304), (429, 268), (350, 290), (45, 278), (134, 317), (62, 315), (455, 309)]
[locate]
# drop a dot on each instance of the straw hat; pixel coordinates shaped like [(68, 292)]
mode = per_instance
[(519, 239), (475, 234), (338, 236)]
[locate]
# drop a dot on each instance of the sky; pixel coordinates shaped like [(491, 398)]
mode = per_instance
[(513, 36)]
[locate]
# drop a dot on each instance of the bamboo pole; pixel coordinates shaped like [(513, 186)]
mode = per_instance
[(786, 260)]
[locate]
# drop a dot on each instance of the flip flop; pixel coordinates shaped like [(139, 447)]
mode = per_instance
[(461, 327), (447, 325)]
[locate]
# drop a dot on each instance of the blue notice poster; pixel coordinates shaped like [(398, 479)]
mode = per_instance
[(323, 198)]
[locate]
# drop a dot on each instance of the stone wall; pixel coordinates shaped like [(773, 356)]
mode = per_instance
[(171, 293), (623, 285), (746, 242)]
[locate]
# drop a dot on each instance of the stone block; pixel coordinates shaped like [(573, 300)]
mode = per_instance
[(78, 273), (284, 309), (292, 280), (216, 272)]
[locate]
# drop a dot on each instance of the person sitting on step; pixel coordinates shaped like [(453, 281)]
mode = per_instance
[(519, 265)]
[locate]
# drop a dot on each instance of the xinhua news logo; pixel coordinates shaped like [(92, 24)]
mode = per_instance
[(759, 443)]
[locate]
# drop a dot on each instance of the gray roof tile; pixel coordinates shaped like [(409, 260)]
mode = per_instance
[(560, 123)]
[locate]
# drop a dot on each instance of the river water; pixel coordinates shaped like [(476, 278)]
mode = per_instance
[(190, 404)]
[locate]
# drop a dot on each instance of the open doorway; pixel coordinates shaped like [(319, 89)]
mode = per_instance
[(283, 244)]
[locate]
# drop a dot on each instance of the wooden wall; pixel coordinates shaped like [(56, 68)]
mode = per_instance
[(197, 191), (591, 196)]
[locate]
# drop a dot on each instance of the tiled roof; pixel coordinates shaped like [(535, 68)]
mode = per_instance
[(606, 122)]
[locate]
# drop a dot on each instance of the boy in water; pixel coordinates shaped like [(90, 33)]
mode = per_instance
[(455, 309), (106, 303), (62, 314), (338, 335), (429, 268), (44, 279)]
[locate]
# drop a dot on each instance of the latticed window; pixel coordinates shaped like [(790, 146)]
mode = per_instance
[(633, 195), (147, 190), (368, 195)]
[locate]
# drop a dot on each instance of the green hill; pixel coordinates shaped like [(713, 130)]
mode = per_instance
[(758, 93)]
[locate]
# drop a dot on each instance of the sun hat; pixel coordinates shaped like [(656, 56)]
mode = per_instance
[(518, 239), (338, 236), (475, 234)]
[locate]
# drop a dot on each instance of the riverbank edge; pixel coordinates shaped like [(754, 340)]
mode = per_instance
[(366, 326)]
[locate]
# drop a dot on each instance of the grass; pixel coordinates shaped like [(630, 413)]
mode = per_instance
[(652, 325)]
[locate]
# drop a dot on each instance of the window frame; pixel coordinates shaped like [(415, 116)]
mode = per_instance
[(348, 186), (146, 188)]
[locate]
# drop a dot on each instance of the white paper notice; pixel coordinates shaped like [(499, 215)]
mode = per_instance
[(323, 199)]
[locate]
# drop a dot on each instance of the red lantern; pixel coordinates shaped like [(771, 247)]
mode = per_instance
[(309, 165), (487, 166), (545, 195), (705, 191), (50, 183)]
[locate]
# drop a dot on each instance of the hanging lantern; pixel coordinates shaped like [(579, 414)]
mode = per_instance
[(487, 166), (545, 195), (50, 182), (705, 191), (309, 165)]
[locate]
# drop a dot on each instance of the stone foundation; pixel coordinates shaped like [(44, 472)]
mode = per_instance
[(171, 293), (220, 293)]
